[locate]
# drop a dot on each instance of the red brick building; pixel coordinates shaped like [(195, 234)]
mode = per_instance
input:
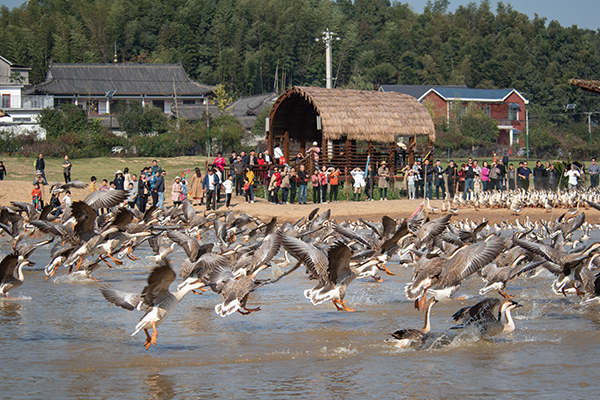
[(506, 106)]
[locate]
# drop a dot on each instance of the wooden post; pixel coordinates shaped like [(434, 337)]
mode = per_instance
[(286, 146), (323, 155), (348, 154), (270, 142), (412, 143)]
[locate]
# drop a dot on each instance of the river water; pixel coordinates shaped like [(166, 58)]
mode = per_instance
[(62, 340)]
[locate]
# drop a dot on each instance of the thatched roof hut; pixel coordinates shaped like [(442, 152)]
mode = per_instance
[(587, 85), (350, 115)]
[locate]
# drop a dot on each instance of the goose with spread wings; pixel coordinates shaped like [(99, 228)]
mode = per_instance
[(567, 267), (155, 299), (446, 274), (334, 271)]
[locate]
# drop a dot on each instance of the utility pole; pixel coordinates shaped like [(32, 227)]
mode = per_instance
[(590, 125), (527, 126), (327, 38), (207, 128)]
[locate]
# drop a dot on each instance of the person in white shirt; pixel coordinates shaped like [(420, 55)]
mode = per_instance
[(359, 182), (228, 185), (66, 200), (574, 176), (277, 153)]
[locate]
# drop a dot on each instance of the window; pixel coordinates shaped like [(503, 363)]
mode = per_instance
[(189, 102), (513, 114), (486, 110), (463, 110), (6, 101)]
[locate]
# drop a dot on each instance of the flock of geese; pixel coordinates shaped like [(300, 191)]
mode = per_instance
[(226, 254), (518, 199)]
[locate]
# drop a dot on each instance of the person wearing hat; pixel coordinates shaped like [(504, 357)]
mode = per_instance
[(209, 185), (176, 195), (119, 180), (315, 150), (384, 176)]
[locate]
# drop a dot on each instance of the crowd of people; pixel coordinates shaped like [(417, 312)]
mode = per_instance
[(285, 184), (422, 177)]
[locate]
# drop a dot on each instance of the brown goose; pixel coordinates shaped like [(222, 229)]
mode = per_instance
[(156, 300), (445, 274), (235, 292)]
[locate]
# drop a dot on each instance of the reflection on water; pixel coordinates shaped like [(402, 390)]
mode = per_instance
[(68, 342), (10, 311), (160, 386)]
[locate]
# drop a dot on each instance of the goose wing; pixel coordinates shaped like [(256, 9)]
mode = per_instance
[(266, 251), (105, 198), (469, 259), (312, 214), (542, 250), (159, 281), (573, 224), (350, 234), (339, 263), (389, 227), (371, 226), (85, 216), (431, 229), (205, 265), (482, 310), (391, 243), (187, 243), (7, 267), (314, 259), (50, 228), (416, 221), (220, 278), (128, 301)]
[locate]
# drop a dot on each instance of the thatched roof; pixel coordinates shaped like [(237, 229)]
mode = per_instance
[(586, 84), (352, 114)]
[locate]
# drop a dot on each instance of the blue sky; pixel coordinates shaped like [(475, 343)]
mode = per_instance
[(583, 13)]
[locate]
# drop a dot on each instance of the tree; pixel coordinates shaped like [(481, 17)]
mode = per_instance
[(67, 119), (223, 98), (142, 120), (479, 126), (228, 132)]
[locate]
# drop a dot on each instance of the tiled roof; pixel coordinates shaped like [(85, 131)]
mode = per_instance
[(126, 79)]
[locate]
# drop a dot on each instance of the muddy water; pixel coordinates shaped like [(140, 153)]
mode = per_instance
[(63, 340)]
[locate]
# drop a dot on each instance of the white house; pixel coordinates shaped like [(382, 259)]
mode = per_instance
[(20, 111)]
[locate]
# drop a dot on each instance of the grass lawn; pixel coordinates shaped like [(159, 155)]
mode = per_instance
[(22, 168)]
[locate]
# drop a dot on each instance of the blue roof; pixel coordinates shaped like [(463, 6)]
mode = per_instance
[(475, 94)]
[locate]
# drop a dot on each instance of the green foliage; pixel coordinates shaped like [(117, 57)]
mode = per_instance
[(227, 132), (478, 126), (67, 119), (223, 98), (258, 129), (138, 120)]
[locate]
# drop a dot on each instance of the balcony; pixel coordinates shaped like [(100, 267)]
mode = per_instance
[(36, 102)]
